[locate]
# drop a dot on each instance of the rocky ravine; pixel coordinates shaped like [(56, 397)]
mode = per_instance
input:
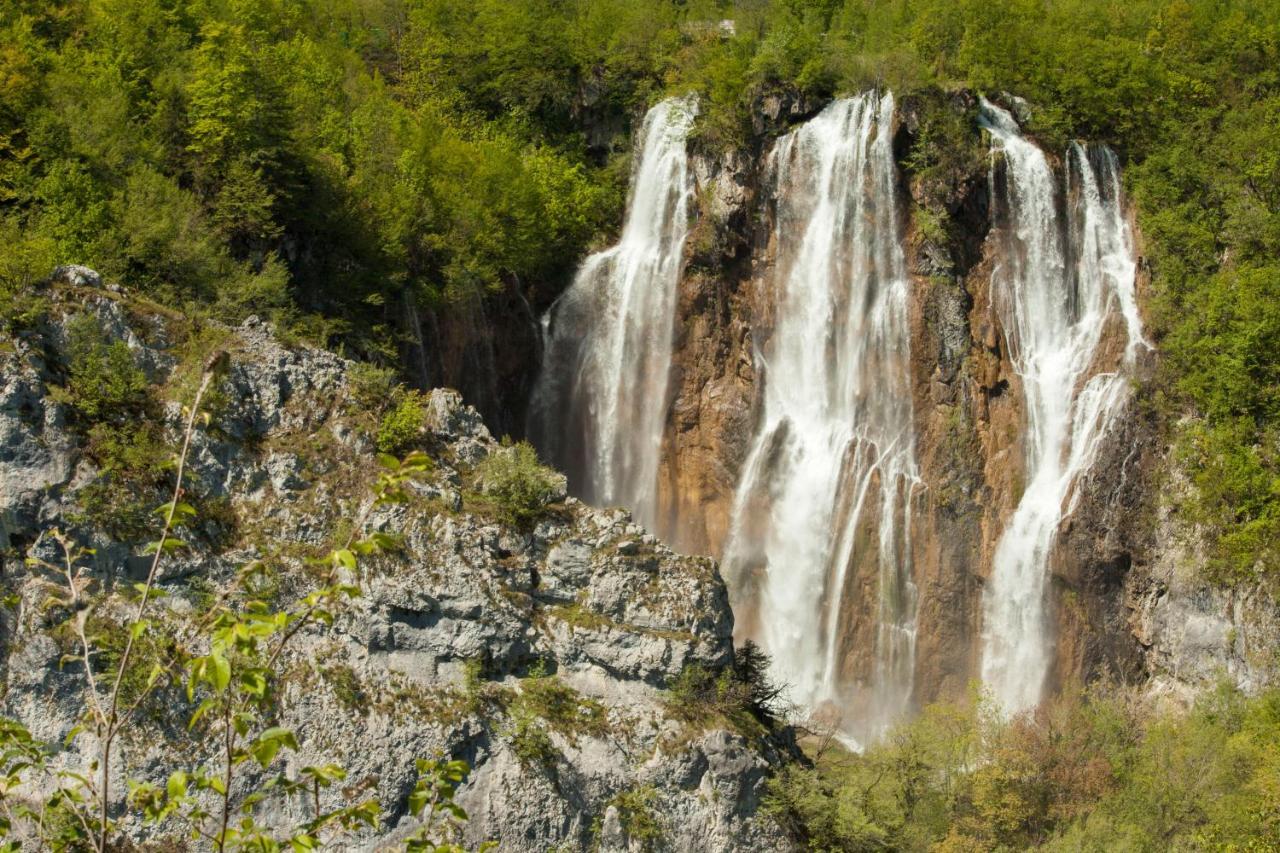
[(585, 595)]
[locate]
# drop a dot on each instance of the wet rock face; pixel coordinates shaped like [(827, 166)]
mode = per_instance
[(437, 651), (713, 370), (488, 347), (967, 401)]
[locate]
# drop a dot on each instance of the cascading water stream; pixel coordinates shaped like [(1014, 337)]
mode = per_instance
[(600, 402), (827, 483), (1056, 286)]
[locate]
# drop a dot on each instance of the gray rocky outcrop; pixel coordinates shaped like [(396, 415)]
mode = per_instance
[(434, 655)]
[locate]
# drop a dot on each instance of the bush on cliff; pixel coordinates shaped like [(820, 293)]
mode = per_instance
[(401, 426), (742, 696), (519, 486), (104, 381)]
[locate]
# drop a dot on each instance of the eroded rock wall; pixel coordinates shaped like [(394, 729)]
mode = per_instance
[(434, 657)]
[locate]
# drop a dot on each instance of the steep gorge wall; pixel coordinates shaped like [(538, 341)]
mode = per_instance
[(969, 418), (488, 348)]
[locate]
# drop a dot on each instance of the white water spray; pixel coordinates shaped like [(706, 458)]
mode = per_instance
[(600, 403), (827, 484), (1058, 281)]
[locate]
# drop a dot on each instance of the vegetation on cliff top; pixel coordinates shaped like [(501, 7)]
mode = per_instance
[(324, 160)]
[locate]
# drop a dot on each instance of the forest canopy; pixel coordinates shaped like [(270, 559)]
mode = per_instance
[(322, 161)]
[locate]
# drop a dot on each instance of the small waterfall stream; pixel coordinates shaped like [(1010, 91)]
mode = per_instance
[(600, 402), (1060, 279), (826, 487)]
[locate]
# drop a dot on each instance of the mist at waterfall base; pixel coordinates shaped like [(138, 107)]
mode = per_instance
[(819, 554), (1055, 287), (826, 488), (599, 406)]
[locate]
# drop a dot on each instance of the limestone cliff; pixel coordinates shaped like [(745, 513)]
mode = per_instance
[(436, 655)]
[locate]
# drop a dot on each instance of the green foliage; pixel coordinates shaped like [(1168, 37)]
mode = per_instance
[(1223, 359), (276, 160), (133, 465), (1088, 772), (103, 380), (559, 705), (546, 703), (431, 802), (372, 387), (741, 697), (529, 739), (27, 259), (402, 425), (518, 484), (636, 815)]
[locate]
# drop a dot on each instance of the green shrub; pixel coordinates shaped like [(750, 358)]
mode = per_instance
[(1097, 771), (401, 427), (133, 464), (104, 382), (563, 708), (372, 387), (202, 340), (636, 814), (529, 738), (518, 484), (26, 259), (741, 696)]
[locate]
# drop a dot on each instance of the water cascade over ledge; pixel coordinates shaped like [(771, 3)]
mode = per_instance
[(822, 510), (600, 403), (1065, 273)]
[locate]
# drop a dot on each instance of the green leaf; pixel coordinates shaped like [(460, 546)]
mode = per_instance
[(219, 671), (177, 785), (197, 669), (325, 775), (254, 683), (270, 742), (170, 544), (181, 510), (418, 801), (205, 707)]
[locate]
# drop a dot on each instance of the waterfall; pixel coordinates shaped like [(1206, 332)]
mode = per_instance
[(600, 403), (1063, 276), (827, 483)]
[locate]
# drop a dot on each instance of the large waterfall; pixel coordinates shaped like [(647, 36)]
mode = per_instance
[(601, 400), (825, 492), (819, 552), (1064, 274)]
